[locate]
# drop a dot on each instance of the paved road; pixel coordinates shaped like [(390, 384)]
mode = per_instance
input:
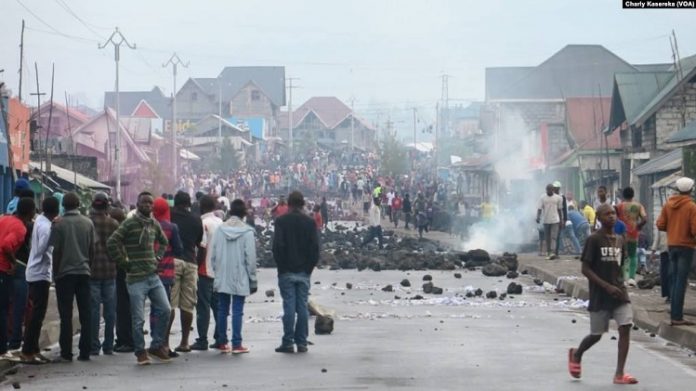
[(444, 342)]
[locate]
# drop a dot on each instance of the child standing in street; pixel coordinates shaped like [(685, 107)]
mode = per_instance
[(602, 260)]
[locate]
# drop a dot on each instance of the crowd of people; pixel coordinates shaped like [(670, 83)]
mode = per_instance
[(191, 257)]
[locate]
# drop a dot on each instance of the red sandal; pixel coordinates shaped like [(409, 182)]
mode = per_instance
[(625, 379), (574, 368)]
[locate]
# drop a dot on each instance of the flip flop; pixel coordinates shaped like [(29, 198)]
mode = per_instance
[(574, 368), (625, 379)]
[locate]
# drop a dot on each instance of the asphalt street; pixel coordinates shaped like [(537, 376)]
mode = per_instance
[(444, 342)]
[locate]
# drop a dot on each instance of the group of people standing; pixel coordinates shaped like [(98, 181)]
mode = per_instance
[(110, 262)]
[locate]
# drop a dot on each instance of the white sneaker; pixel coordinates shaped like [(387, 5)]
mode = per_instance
[(631, 282)]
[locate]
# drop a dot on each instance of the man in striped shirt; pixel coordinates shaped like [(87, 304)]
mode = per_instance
[(133, 247)]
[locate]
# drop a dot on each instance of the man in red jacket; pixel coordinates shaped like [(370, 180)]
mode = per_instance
[(12, 232), (678, 218)]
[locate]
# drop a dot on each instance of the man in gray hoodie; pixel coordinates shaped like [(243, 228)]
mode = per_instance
[(233, 260)]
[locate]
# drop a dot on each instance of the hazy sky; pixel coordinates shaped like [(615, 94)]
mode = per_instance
[(388, 55)]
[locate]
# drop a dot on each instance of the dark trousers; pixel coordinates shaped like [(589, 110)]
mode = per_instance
[(680, 259), (38, 297), (207, 301), (5, 291), (665, 286), (69, 288), (19, 305), (372, 233), (124, 326)]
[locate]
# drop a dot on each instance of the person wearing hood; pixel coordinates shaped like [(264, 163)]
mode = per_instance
[(678, 219), (20, 186), (165, 267), (233, 259)]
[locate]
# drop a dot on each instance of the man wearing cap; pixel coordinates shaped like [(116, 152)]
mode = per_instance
[(678, 219), (21, 185), (103, 276)]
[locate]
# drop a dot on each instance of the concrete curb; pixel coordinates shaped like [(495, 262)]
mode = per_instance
[(682, 336)]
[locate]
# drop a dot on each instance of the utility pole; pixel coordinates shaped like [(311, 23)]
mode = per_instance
[(220, 115), (117, 39), (72, 140), (290, 88), (414, 127), (175, 61), (50, 118), (21, 61), (445, 104), (38, 121)]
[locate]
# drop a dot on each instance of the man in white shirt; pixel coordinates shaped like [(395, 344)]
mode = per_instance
[(38, 274), (374, 218), (387, 209), (550, 214)]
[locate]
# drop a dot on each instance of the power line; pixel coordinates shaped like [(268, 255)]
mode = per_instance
[(69, 10)]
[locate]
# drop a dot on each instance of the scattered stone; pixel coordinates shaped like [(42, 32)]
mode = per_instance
[(635, 328), (317, 282), (437, 290), (428, 287), (573, 321), (613, 338), (539, 281), (494, 270), (343, 293), (524, 272), (427, 277), (652, 335), (405, 283), (397, 297), (323, 370), (649, 282), (491, 295), (478, 292), (388, 288), (270, 293), (509, 260), (16, 385), (469, 294), (457, 275), (512, 275), (417, 297), (323, 325), (477, 258), (349, 285), (502, 297), (514, 289)]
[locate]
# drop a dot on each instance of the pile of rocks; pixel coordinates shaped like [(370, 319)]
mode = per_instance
[(340, 249)]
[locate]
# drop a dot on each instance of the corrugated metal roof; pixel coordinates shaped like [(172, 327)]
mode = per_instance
[(686, 134), (632, 92), (667, 162), (69, 176), (574, 71), (667, 181)]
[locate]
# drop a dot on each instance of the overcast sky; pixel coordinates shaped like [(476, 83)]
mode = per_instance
[(388, 55)]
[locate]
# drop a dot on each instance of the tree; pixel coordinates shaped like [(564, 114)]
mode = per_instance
[(393, 156)]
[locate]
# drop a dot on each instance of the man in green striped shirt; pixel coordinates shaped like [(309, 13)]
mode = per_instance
[(132, 247)]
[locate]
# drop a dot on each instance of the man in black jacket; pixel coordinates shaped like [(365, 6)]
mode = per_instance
[(296, 253)]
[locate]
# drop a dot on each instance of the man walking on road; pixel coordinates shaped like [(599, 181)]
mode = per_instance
[(549, 213), (296, 252), (602, 259), (375, 222), (678, 218), (39, 276), (133, 246), (632, 213), (73, 239)]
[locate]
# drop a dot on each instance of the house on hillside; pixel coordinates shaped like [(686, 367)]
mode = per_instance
[(205, 137), (534, 100), (97, 138), (63, 121), (329, 123), (142, 104), (655, 115), (253, 94)]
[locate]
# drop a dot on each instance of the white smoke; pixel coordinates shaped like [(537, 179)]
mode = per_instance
[(512, 149)]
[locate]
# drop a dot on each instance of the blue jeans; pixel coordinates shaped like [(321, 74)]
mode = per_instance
[(152, 288), (20, 292), (103, 293), (569, 232), (207, 301), (680, 259), (294, 289), (223, 307), (665, 279)]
